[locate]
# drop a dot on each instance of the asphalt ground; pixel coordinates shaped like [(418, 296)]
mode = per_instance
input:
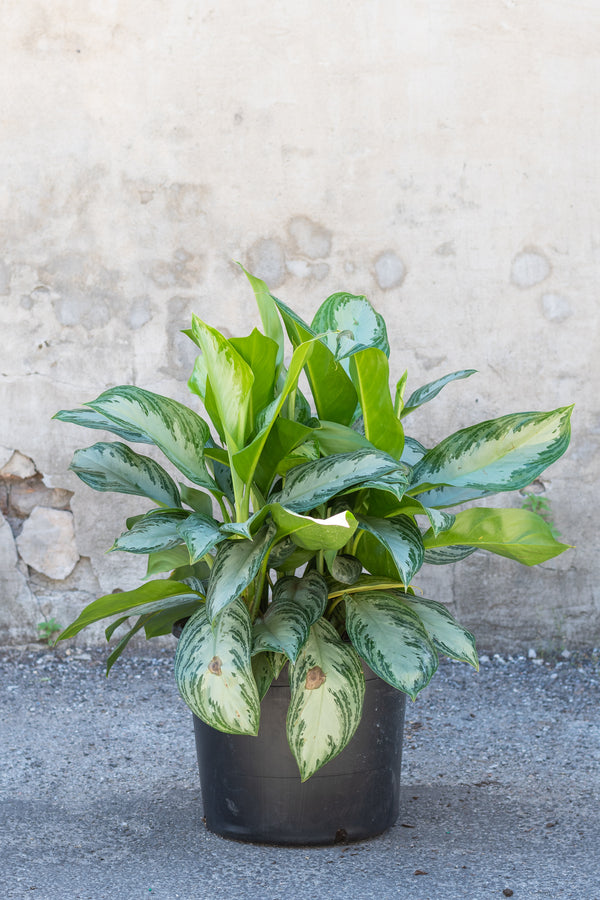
[(100, 795)]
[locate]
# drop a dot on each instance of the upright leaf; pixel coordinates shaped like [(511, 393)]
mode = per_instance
[(178, 431), (268, 312), (356, 318), (391, 639), (112, 466), (502, 454), (369, 370), (260, 353), (231, 379), (213, 670), (327, 686), (332, 389)]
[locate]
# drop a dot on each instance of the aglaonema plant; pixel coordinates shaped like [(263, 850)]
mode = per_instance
[(299, 526)]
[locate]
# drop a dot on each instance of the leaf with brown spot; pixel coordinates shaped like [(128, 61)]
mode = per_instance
[(315, 677)]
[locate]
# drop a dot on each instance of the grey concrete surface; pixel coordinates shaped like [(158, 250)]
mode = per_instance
[(100, 795)]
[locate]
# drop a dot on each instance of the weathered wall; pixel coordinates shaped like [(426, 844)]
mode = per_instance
[(441, 157)]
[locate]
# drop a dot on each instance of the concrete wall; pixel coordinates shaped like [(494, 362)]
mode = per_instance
[(441, 157)]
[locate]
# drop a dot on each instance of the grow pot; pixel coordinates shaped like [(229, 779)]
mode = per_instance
[(251, 786)]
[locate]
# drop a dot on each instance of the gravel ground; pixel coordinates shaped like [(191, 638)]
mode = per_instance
[(100, 794)]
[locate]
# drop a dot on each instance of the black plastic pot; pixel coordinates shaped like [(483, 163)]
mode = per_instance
[(252, 791)]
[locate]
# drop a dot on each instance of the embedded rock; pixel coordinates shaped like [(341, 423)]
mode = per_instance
[(47, 542), (18, 466)]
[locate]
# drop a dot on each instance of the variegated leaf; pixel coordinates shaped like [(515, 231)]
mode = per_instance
[(297, 603), (444, 556), (449, 637), (413, 451), (237, 562), (327, 686), (213, 670), (391, 639), (345, 569), (518, 534), (353, 315), (432, 389), (88, 418), (266, 668), (157, 530), (438, 518), (401, 538), (112, 466), (313, 483), (197, 500), (503, 454), (200, 533), (231, 379), (178, 431)]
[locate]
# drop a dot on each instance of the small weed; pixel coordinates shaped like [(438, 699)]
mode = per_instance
[(542, 507), (47, 629)]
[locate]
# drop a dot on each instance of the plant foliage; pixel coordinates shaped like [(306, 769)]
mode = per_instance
[(299, 525)]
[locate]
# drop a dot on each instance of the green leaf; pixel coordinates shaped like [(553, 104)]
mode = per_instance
[(327, 687), (332, 390), (148, 597), (161, 622), (197, 500), (120, 647), (401, 538), (260, 353), (200, 533), (502, 454), (313, 483), (213, 670), (285, 626), (157, 530), (237, 562), (266, 668), (178, 431), (268, 313), (314, 534), (448, 636), (444, 556), (88, 418), (231, 379), (399, 397), (369, 370), (353, 315), (429, 391), (335, 438), (413, 451), (245, 460), (112, 466), (391, 639), (515, 533), (346, 569)]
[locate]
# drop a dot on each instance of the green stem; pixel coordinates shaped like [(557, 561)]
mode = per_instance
[(258, 585)]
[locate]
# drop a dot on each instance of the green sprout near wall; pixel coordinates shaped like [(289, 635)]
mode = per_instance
[(543, 508), (47, 629)]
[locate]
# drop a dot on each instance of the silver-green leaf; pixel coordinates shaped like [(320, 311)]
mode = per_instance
[(236, 564), (449, 637), (327, 687), (112, 466), (391, 639), (213, 670)]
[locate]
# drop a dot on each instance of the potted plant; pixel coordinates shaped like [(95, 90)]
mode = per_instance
[(286, 557)]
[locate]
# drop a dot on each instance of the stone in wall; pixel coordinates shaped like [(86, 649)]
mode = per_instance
[(47, 542), (17, 604)]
